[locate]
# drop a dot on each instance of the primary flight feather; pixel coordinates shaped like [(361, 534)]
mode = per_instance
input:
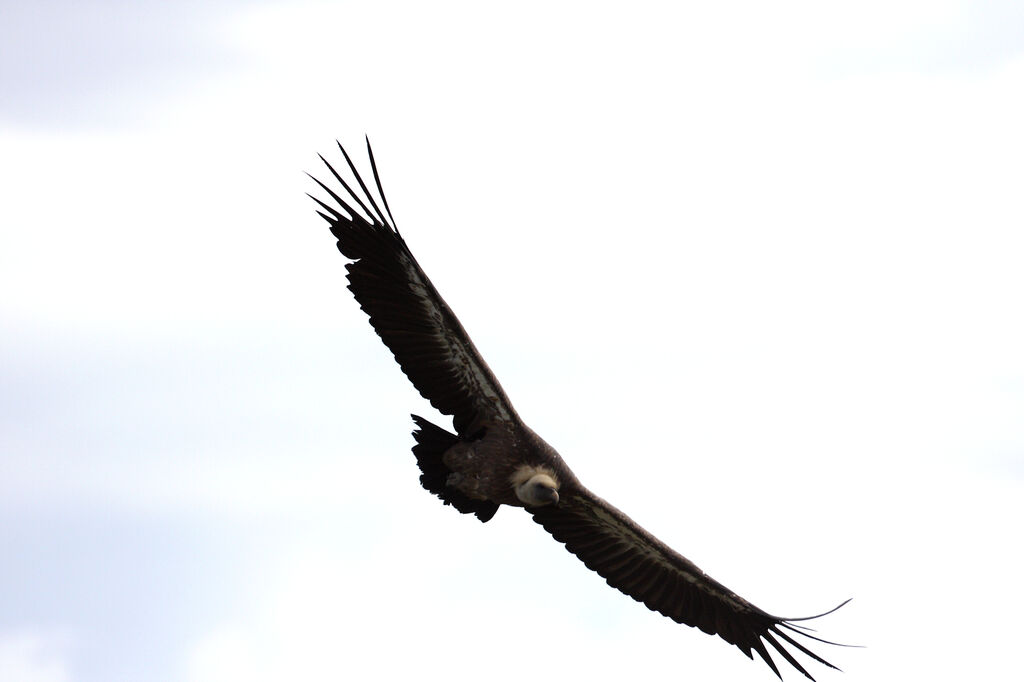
[(494, 459)]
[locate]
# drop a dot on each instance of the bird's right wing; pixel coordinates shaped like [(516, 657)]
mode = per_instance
[(406, 311), (638, 564)]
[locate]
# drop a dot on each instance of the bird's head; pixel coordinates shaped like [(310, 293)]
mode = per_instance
[(536, 488)]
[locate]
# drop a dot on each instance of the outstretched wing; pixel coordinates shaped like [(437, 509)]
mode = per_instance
[(406, 311), (638, 564)]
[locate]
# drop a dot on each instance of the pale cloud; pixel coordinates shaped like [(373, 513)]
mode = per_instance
[(33, 657), (331, 615), (88, 66)]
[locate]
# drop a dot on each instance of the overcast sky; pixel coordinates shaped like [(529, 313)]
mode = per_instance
[(753, 268)]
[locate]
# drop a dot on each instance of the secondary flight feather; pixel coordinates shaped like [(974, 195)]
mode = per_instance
[(494, 459)]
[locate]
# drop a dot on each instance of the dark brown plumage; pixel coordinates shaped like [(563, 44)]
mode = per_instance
[(495, 459)]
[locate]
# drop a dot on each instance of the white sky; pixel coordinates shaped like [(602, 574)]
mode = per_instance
[(754, 269)]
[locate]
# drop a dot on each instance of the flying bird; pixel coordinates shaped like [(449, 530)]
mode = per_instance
[(494, 459)]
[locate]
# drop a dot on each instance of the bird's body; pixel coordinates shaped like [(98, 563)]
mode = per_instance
[(494, 459)]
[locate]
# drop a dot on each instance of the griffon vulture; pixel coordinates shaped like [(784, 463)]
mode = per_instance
[(494, 459)]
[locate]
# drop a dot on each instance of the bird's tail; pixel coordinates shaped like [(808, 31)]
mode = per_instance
[(431, 443)]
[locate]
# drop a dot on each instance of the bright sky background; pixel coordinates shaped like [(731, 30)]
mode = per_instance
[(754, 268)]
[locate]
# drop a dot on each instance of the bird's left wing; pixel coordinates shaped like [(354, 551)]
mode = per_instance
[(638, 564), (406, 311)]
